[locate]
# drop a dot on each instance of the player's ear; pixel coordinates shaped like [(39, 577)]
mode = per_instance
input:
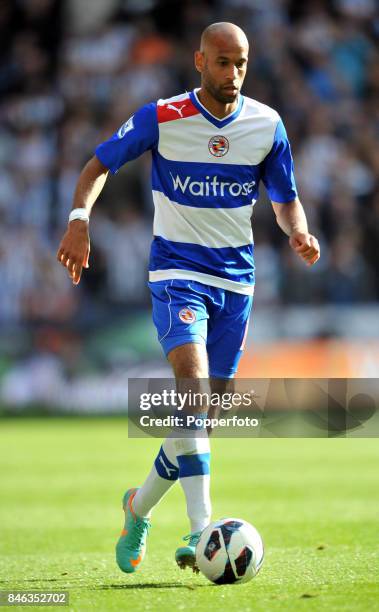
[(199, 61)]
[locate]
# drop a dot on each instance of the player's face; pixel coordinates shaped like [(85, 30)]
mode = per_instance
[(223, 72)]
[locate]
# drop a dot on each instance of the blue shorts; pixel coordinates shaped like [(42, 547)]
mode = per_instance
[(188, 311)]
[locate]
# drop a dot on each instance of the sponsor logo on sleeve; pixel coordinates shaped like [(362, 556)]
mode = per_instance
[(126, 127)]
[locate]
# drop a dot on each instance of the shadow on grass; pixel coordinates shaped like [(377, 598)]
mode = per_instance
[(151, 585), (41, 579)]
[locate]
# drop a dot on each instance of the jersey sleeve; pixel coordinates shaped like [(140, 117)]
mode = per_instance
[(278, 175), (137, 135)]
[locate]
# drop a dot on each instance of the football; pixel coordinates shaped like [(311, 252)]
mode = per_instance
[(229, 551)]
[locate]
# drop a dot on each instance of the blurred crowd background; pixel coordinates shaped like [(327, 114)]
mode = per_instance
[(72, 71)]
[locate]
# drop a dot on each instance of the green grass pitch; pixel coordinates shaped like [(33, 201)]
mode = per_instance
[(315, 502)]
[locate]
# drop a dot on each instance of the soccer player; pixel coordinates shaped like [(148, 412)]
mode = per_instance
[(210, 149)]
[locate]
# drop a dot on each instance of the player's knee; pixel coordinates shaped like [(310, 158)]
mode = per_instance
[(189, 361), (189, 371)]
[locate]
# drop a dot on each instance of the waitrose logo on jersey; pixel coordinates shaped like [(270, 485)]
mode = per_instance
[(211, 186)]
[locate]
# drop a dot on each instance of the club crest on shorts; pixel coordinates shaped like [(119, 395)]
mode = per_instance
[(186, 315), (218, 146)]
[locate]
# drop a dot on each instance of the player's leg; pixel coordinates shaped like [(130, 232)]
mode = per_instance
[(218, 386), (181, 320), (226, 340), (177, 323), (163, 474), (190, 366), (227, 329), (182, 323)]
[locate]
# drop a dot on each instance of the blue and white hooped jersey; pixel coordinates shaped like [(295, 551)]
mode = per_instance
[(205, 178)]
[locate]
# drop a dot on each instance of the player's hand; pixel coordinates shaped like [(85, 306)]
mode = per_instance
[(74, 249), (306, 246)]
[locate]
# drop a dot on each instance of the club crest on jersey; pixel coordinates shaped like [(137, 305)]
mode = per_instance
[(218, 146), (186, 315)]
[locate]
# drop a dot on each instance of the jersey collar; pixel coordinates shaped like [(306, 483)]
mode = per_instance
[(217, 122)]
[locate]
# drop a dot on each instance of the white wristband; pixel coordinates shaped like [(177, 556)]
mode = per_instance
[(78, 213)]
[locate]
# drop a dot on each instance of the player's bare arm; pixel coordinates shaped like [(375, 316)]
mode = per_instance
[(292, 220), (74, 249)]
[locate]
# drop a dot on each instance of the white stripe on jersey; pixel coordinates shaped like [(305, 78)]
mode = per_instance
[(178, 98), (210, 227), (207, 279)]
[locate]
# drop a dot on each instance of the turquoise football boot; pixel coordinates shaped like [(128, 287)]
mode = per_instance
[(185, 555), (131, 546)]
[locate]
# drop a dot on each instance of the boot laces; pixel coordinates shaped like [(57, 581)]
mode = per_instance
[(139, 533), (192, 538)]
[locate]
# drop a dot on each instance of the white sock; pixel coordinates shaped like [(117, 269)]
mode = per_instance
[(163, 474), (196, 490), (193, 456)]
